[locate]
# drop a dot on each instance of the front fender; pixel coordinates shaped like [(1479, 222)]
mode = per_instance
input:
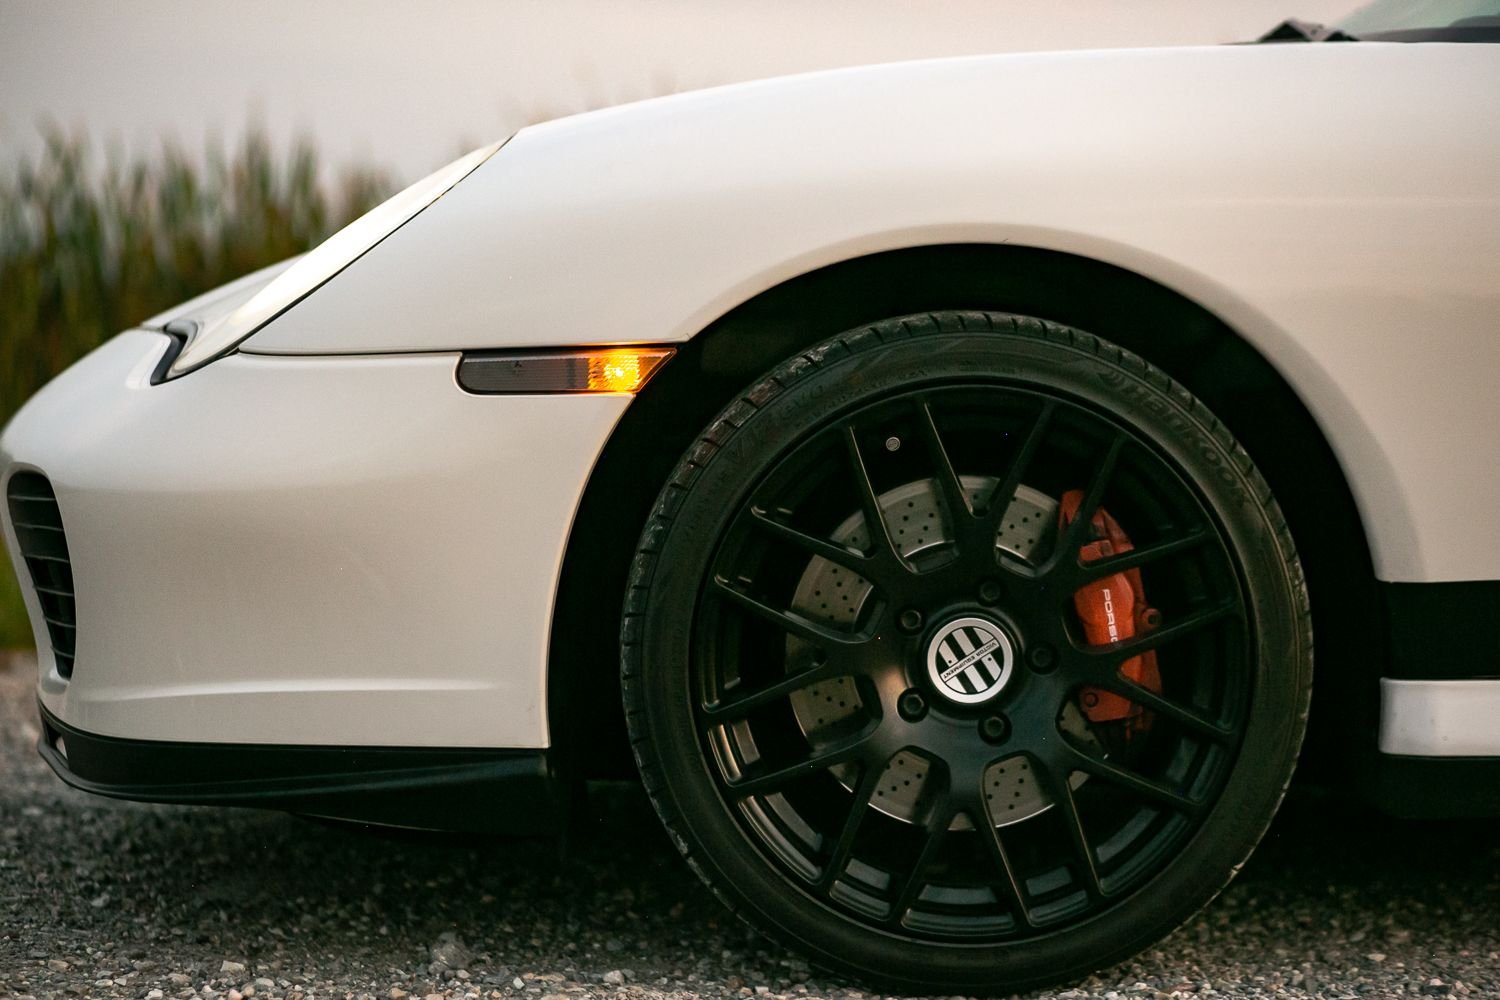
[(1260, 182)]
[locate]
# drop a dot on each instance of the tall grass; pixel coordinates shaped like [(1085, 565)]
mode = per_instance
[(88, 249)]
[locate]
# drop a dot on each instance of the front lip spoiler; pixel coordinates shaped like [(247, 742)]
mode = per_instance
[(457, 790)]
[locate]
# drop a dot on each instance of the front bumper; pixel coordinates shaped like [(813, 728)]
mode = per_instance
[(461, 791), (331, 551)]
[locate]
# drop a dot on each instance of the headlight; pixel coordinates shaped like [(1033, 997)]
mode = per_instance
[(218, 332)]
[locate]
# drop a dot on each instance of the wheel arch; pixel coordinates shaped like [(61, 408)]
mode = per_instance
[(1172, 331)]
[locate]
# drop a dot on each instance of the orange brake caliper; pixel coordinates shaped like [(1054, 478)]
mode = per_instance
[(1113, 609)]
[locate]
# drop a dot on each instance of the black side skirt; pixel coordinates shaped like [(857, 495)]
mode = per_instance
[(1433, 787), (459, 790), (1443, 631)]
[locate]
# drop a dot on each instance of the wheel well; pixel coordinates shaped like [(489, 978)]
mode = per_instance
[(1172, 332)]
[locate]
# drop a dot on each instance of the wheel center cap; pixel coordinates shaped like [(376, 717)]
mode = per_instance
[(970, 660)]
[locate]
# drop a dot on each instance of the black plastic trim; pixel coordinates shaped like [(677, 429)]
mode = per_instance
[(450, 789), (180, 336), (1443, 631), (1297, 30), (1482, 34), (42, 540), (1434, 787)]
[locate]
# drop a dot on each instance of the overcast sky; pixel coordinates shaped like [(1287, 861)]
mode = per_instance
[(407, 86)]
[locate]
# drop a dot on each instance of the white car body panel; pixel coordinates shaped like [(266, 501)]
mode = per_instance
[(324, 551), (1439, 718), (1259, 181)]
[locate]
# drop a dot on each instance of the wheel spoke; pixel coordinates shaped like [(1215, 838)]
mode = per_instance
[(1000, 499), (939, 820), (788, 621), (1085, 573), (844, 556), (1178, 713), (869, 780), (739, 707), (1011, 887), (1117, 652), (818, 759), (885, 548), (1061, 792), (1073, 535), (949, 487), (1152, 791)]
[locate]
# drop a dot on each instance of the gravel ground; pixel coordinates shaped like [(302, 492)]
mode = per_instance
[(110, 899)]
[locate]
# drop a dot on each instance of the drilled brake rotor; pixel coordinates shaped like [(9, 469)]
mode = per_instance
[(831, 594)]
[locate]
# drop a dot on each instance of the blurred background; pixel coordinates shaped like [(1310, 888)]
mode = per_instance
[(150, 151)]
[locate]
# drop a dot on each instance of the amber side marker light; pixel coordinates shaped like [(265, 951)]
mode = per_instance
[(603, 369)]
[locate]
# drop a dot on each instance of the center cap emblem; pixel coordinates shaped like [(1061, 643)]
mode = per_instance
[(970, 660)]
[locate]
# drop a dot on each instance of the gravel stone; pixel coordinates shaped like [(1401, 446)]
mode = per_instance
[(320, 912), (449, 951)]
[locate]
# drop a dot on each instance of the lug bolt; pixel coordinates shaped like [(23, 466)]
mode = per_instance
[(989, 592), (912, 705), (994, 729), (1043, 658), (910, 620)]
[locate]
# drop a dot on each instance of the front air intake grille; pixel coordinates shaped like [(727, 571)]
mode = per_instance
[(39, 530)]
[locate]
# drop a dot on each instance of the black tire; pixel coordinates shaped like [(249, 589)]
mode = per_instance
[(1131, 823)]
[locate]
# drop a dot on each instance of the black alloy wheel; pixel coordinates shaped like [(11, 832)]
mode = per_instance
[(966, 652)]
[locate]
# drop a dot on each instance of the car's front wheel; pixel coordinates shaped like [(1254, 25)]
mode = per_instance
[(966, 652)]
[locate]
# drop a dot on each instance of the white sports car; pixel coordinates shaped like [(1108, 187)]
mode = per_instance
[(954, 462)]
